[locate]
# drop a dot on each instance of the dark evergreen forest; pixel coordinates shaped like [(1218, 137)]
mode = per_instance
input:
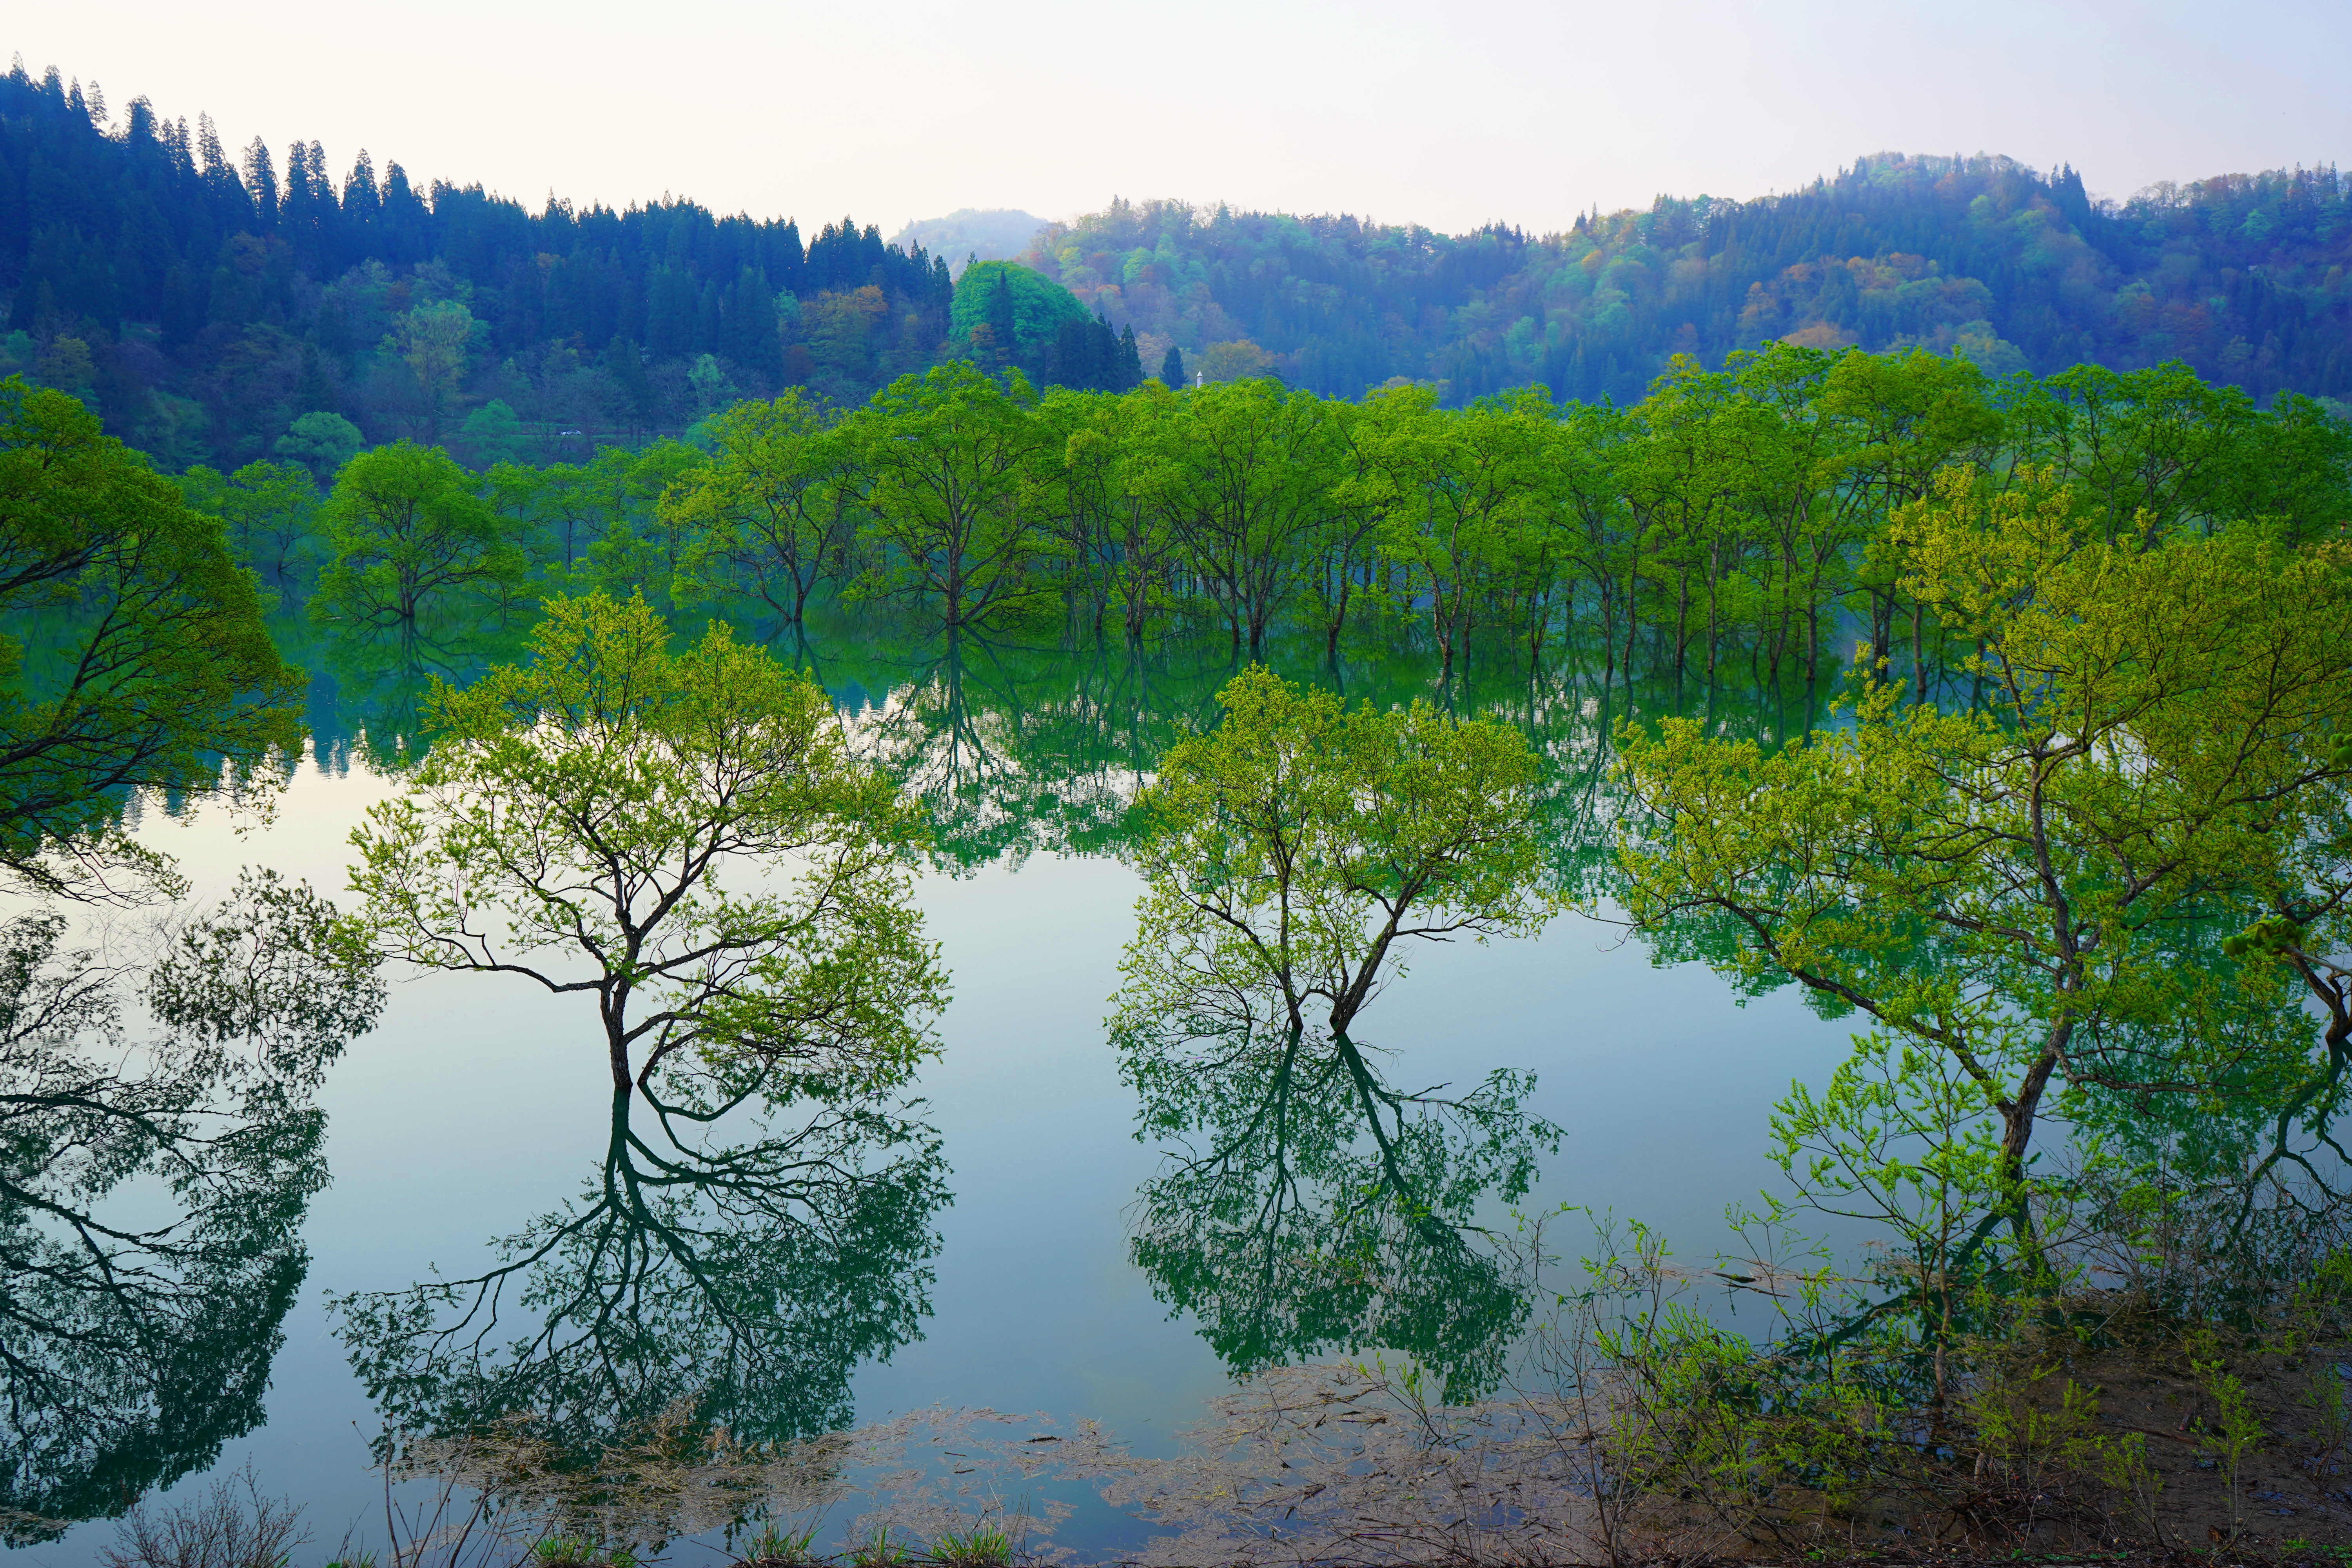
[(201, 301), (218, 307)]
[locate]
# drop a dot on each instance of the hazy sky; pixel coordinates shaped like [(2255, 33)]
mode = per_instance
[(1448, 114)]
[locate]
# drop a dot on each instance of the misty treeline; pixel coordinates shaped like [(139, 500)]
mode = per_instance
[(1730, 518), (2242, 277), (206, 299)]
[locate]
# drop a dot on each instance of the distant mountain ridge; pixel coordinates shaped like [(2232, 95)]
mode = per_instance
[(2247, 278), (989, 234), (204, 301)]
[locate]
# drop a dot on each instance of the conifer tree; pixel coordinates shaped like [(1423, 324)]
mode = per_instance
[(1171, 368), (1130, 362), (632, 389), (261, 180)]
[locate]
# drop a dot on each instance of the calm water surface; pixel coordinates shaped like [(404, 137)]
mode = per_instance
[(478, 1102)]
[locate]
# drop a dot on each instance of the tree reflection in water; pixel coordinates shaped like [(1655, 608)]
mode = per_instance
[(1311, 1208), (1288, 857), (738, 1253), (151, 1194)]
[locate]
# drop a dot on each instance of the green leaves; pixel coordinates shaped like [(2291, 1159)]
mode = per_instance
[(1287, 851), (1285, 855), (408, 531), (2272, 935), (144, 663), (151, 1205), (685, 836), (2026, 889), (768, 507), (953, 469)]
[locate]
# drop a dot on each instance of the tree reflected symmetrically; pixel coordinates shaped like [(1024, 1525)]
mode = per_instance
[(1311, 1206), (748, 1239), (737, 1251), (154, 1190), (1288, 857)]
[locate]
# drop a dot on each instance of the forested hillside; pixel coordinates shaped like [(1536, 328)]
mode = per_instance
[(2243, 277), (203, 301), (220, 307)]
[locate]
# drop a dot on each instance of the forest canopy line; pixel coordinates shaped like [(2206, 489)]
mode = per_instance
[(219, 305), (1733, 520)]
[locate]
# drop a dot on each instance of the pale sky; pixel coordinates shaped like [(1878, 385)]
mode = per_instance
[(1443, 114)]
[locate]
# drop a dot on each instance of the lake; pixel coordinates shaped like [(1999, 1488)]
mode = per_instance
[(479, 1103)]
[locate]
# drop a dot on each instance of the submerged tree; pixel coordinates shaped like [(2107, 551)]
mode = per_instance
[(1287, 855), (270, 511), (150, 1208), (408, 530), (135, 656), (954, 472), (683, 837), (769, 512), (2023, 896)]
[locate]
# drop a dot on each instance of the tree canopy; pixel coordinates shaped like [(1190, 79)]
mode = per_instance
[(683, 837), (135, 656)]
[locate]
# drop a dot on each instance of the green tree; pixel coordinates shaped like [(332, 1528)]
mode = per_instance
[(434, 341), (135, 656), (1286, 853), (563, 511), (1172, 369), (1245, 471), (408, 531), (712, 390), (1287, 857), (646, 545), (769, 511), (685, 837), (1118, 542), (1454, 493), (1022, 308), (270, 511), (952, 470), (2023, 891), (493, 435), (322, 443), (1905, 417)]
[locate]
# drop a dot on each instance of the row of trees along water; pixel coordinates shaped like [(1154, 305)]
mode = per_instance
[(2081, 860), (1733, 514)]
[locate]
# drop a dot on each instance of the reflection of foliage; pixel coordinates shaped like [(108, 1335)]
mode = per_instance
[(1014, 750), (369, 686), (1316, 1208), (137, 1343), (168, 670), (613, 804), (2027, 896), (747, 1279), (1285, 856)]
